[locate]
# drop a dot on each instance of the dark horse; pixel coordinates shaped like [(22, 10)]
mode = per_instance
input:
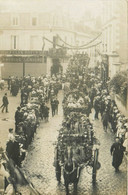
[(71, 170), (71, 175)]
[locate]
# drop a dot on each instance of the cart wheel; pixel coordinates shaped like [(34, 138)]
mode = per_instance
[(94, 171)]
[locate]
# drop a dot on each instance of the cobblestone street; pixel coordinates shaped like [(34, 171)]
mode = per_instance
[(39, 168), (108, 181), (64, 97), (39, 162)]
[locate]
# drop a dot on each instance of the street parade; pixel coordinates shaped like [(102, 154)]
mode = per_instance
[(63, 97), (76, 146)]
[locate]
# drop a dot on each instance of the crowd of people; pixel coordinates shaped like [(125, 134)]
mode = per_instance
[(107, 109), (98, 94), (36, 96), (112, 119), (14, 85), (36, 93)]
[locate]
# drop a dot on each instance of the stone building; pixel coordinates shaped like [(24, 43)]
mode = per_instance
[(115, 40), (23, 29), (115, 34)]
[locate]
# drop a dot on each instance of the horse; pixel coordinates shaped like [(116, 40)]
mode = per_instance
[(71, 171), (71, 174)]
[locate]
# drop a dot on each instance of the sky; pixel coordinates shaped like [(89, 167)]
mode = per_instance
[(75, 8)]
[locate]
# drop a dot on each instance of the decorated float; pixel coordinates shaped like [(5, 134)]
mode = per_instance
[(75, 101), (75, 149)]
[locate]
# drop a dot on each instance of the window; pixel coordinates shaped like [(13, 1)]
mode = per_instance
[(34, 21), (14, 40), (15, 21), (54, 20), (35, 42)]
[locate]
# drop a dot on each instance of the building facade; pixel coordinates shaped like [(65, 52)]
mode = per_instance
[(27, 30), (115, 39), (115, 34), (24, 31)]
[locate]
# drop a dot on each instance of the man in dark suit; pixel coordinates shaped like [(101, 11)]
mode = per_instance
[(53, 106), (117, 151), (5, 103), (56, 105)]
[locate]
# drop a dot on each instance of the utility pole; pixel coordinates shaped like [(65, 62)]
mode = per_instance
[(43, 50), (127, 53), (23, 67)]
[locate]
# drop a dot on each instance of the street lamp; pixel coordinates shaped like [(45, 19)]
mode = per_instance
[(43, 49), (1, 65)]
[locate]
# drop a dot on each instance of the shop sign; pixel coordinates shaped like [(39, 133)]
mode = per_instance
[(20, 59), (21, 52)]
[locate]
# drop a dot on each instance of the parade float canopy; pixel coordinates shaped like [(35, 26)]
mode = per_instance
[(75, 101)]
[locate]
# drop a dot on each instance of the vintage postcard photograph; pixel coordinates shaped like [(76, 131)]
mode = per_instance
[(63, 97)]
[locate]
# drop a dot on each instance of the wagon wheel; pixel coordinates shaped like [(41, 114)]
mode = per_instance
[(95, 162)]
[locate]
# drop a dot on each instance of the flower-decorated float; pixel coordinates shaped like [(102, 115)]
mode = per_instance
[(75, 149), (75, 101)]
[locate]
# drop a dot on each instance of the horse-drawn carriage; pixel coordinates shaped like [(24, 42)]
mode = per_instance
[(77, 146)]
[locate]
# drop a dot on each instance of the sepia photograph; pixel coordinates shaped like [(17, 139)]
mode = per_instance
[(63, 97)]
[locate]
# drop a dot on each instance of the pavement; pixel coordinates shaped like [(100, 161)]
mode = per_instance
[(38, 165), (7, 120)]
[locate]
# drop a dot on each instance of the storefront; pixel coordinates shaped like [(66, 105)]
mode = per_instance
[(20, 63)]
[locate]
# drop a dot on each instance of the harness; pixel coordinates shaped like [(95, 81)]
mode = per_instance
[(70, 172)]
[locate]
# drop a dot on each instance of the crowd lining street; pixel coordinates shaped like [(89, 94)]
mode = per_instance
[(38, 165), (42, 172), (40, 140)]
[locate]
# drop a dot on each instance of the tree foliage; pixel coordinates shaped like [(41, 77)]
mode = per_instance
[(119, 84)]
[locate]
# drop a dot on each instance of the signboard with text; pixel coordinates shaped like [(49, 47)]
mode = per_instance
[(20, 59), (20, 52), (20, 56)]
